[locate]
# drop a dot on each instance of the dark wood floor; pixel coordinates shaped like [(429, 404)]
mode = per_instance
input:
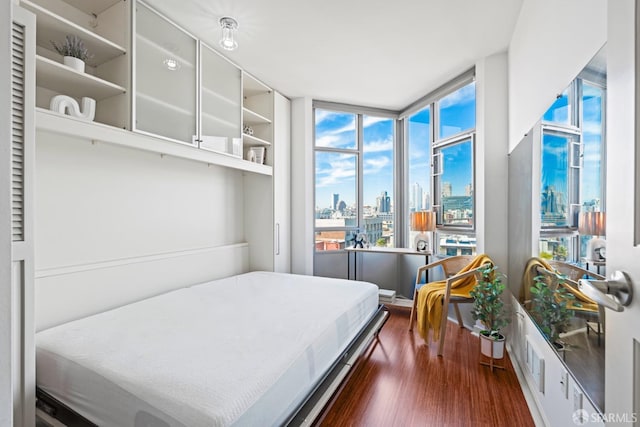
[(402, 382)]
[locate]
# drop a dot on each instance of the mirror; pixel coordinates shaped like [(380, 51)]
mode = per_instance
[(561, 163)]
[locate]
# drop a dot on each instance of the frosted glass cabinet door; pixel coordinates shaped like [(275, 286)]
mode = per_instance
[(165, 77), (221, 96)]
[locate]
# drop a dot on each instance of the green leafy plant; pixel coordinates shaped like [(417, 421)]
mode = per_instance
[(72, 46), (381, 242), (550, 307), (488, 306)]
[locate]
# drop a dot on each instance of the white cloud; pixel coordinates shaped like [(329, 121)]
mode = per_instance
[(592, 128), (327, 140), (371, 120), (340, 170), (463, 95), (379, 145)]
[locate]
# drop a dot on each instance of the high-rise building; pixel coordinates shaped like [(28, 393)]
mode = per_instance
[(335, 197), (426, 201), (383, 202), (468, 190), (446, 189), (417, 197)]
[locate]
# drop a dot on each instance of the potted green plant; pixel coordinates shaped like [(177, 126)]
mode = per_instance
[(550, 308), (73, 51), (488, 307)]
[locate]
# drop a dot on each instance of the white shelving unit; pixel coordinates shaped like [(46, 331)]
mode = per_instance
[(99, 133), (52, 74), (56, 28), (103, 26), (257, 113)]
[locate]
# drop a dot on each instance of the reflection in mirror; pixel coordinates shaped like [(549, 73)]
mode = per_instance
[(570, 181)]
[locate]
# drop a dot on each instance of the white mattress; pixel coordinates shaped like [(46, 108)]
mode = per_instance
[(244, 350)]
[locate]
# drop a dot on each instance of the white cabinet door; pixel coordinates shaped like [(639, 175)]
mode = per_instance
[(282, 184), (165, 77), (622, 369)]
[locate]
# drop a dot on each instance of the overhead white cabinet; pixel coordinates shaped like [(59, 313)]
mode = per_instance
[(220, 103), (165, 77)]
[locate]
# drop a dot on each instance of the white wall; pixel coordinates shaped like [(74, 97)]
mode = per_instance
[(6, 312), (552, 42), (491, 157), (99, 202)]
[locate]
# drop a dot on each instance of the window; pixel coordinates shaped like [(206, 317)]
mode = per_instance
[(357, 184), (560, 179), (457, 111), (354, 174), (453, 176), (572, 168), (419, 160)]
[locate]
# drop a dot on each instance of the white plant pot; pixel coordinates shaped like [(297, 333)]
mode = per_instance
[(498, 346), (73, 62)]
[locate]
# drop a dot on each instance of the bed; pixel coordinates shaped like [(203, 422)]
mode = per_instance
[(258, 348)]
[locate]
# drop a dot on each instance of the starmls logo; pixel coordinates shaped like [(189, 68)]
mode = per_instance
[(582, 417)]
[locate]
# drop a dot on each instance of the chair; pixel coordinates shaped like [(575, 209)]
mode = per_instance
[(588, 311), (453, 269), (566, 275)]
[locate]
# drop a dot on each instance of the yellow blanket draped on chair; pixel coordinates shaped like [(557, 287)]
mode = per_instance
[(430, 297), (582, 302)]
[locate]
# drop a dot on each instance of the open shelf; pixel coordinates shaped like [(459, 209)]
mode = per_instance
[(251, 141), (62, 79), (56, 28), (97, 132), (92, 6), (253, 87), (252, 118)]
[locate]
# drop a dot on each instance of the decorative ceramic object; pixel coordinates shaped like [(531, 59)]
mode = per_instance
[(74, 63), (256, 155), (247, 130), (64, 104)]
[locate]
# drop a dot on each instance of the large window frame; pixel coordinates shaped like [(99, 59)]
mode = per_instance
[(562, 241), (459, 237), (359, 152), (401, 184)]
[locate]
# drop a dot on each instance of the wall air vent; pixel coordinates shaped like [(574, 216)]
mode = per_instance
[(18, 131)]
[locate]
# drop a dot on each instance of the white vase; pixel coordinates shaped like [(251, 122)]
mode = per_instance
[(498, 346), (73, 62)]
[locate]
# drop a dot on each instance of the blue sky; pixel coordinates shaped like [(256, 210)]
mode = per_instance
[(555, 156), (335, 172)]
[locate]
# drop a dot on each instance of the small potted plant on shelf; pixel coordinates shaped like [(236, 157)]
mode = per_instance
[(550, 307), (488, 307), (73, 51)]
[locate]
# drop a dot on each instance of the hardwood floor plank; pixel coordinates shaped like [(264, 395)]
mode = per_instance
[(402, 382)]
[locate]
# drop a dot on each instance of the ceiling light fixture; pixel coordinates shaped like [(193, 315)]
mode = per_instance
[(229, 27), (171, 64)]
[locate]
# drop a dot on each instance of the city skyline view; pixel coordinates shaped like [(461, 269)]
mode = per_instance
[(336, 172)]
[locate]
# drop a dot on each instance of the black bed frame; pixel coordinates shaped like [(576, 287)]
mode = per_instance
[(304, 414)]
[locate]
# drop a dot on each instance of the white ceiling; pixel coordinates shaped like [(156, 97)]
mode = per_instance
[(376, 53)]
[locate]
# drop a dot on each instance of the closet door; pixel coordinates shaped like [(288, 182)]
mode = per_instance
[(165, 77), (19, 301), (282, 183)]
